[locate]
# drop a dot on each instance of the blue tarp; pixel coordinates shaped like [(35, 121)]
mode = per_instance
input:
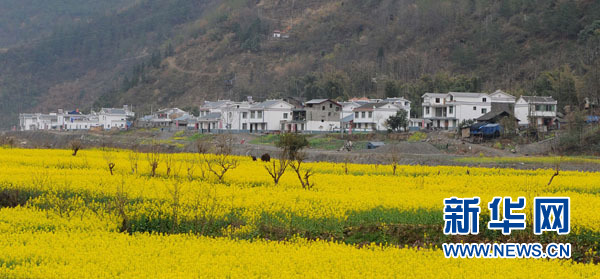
[(486, 129), (592, 119)]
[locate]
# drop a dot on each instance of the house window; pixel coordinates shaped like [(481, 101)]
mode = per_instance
[(474, 108), (323, 108), (337, 108), (244, 115), (437, 100), (426, 110), (405, 104), (244, 126), (330, 105), (252, 114), (370, 114), (356, 115), (484, 100), (483, 110), (362, 114), (329, 113), (285, 115), (450, 109), (451, 98), (259, 113), (549, 107)]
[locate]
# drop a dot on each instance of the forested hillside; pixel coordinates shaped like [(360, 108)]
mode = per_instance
[(181, 52), (26, 21)]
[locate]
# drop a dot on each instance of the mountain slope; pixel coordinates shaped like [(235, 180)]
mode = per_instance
[(181, 52)]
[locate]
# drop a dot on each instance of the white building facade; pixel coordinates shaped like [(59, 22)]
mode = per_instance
[(447, 111), (536, 110), (373, 116), (106, 118)]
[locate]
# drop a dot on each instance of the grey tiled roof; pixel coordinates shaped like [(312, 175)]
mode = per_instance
[(266, 104), (538, 99)]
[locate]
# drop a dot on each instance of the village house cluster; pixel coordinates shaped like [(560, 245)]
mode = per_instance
[(317, 115), (440, 111), (449, 110), (104, 119)]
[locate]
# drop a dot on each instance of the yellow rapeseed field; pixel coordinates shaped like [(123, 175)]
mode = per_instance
[(72, 209)]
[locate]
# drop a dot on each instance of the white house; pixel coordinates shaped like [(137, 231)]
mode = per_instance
[(537, 110), (114, 118), (503, 101), (269, 115), (107, 118), (372, 116), (348, 108), (401, 102), (447, 111), (161, 118), (29, 121), (235, 116)]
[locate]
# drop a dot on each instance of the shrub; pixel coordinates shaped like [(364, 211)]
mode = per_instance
[(418, 136)]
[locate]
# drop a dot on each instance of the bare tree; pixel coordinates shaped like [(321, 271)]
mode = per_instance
[(203, 147), (190, 166), (346, 161), (556, 170), (205, 205), (75, 146), (394, 158), (276, 168), (109, 158), (223, 160), (120, 202), (303, 174), (134, 158), (169, 160), (175, 192), (153, 158)]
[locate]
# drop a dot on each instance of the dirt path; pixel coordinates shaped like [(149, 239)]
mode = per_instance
[(420, 153)]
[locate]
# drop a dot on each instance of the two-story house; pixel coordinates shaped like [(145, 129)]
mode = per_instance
[(373, 116), (322, 115), (401, 102), (270, 115), (447, 111), (114, 118), (536, 110), (502, 101)]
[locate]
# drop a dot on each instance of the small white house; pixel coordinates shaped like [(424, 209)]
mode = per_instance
[(114, 118), (235, 116), (269, 115), (502, 101), (373, 116), (447, 111), (537, 110)]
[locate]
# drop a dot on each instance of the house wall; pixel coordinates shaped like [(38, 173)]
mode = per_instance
[(271, 117), (322, 126), (111, 121), (468, 111), (377, 118), (522, 113)]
